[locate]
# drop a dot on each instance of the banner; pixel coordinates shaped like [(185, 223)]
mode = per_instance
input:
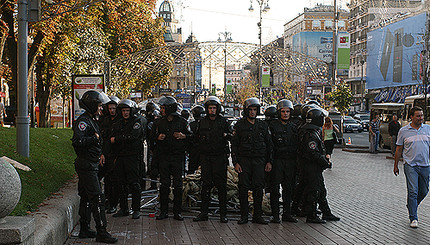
[(213, 91), (80, 85), (265, 76), (343, 51), (229, 85)]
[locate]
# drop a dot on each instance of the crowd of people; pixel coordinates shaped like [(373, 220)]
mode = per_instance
[(286, 149)]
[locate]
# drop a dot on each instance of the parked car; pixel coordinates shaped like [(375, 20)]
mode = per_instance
[(351, 125), (363, 119)]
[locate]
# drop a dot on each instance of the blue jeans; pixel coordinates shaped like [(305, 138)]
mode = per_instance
[(417, 180), (376, 139)]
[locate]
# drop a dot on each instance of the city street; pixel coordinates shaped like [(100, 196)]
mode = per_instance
[(358, 139), (362, 190)]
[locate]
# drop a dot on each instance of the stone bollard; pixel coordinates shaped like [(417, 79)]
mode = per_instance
[(13, 229)]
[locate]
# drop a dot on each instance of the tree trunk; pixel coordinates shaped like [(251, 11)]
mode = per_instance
[(11, 49), (43, 93)]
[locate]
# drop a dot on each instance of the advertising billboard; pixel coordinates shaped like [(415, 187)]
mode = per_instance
[(394, 53), (80, 85), (320, 45)]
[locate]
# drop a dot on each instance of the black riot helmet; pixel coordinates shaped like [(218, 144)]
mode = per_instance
[(91, 100), (296, 111), (313, 102), (198, 112), (126, 103), (170, 105), (150, 107), (316, 116), (213, 100), (270, 112), (305, 108), (113, 100), (282, 104), (251, 102), (185, 113)]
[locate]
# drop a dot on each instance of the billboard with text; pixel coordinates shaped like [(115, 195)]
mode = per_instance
[(394, 53)]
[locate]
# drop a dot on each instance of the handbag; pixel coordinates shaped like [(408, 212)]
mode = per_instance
[(336, 140)]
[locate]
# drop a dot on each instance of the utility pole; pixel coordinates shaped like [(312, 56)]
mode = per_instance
[(334, 44)]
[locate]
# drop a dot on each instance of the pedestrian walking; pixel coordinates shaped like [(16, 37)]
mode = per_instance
[(393, 130), (87, 143), (171, 134), (213, 137), (374, 134), (330, 138), (284, 138), (251, 149), (413, 144)]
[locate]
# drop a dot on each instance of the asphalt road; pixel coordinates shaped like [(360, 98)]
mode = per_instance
[(360, 139)]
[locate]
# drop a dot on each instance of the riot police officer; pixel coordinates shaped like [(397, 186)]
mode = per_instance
[(105, 171), (198, 112), (284, 138), (251, 149), (270, 114), (151, 114), (296, 117), (212, 135), (170, 134), (314, 162), (87, 143), (128, 136)]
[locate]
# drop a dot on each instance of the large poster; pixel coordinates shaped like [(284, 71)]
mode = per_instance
[(80, 85), (394, 53), (265, 76)]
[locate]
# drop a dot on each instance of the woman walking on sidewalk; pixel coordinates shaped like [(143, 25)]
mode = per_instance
[(329, 133)]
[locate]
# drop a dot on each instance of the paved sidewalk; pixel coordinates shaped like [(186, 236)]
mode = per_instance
[(362, 190)]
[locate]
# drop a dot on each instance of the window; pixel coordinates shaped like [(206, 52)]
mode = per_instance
[(316, 23), (341, 23), (328, 24)]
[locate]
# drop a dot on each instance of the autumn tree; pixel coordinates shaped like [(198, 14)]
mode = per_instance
[(246, 88), (341, 97)]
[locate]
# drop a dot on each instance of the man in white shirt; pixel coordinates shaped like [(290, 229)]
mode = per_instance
[(413, 142)]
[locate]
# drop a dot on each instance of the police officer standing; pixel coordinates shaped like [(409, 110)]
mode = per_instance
[(106, 123), (151, 114), (198, 112), (87, 143), (314, 162), (128, 136), (170, 134), (284, 138), (212, 135), (251, 148)]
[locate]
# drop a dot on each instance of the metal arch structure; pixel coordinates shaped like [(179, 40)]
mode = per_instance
[(212, 54)]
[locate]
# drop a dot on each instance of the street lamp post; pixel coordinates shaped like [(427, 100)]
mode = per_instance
[(264, 7), (227, 38), (362, 61)]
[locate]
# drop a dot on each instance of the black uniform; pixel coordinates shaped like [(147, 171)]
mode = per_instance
[(285, 140), (194, 153), (313, 161), (170, 154), (151, 161), (212, 137), (251, 147), (105, 171), (129, 136), (88, 148)]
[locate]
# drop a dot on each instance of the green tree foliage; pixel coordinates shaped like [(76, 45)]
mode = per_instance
[(341, 97)]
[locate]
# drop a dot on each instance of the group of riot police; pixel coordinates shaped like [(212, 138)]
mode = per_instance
[(284, 150)]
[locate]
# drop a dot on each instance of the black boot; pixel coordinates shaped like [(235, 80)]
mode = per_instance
[(259, 220), (86, 232), (121, 213), (289, 218), (136, 214), (223, 218), (330, 217), (316, 220), (163, 215), (243, 220), (178, 216), (135, 201), (105, 237), (275, 219), (244, 209), (201, 217)]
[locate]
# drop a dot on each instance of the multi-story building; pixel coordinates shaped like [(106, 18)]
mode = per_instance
[(311, 33), (365, 16)]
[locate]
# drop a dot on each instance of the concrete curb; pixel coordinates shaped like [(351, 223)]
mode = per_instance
[(57, 215)]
